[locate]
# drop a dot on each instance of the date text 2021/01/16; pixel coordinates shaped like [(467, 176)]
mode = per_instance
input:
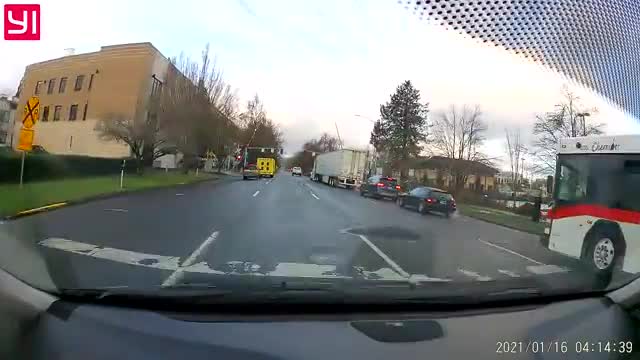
[(514, 347)]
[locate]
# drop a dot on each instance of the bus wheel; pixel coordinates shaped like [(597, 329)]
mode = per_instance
[(604, 251)]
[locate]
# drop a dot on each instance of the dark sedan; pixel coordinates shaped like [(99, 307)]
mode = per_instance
[(379, 186), (427, 199)]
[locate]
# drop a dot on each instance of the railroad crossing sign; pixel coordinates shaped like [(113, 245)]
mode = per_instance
[(25, 139), (31, 112)]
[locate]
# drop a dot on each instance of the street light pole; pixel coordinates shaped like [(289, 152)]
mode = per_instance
[(374, 153)]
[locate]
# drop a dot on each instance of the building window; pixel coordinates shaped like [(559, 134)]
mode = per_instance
[(56, 112), (63, 85), (51, 86), (90, 81), (84, 113), (37, 91), (45, 113), (4, 116), (79, 81), (73, 112), (3, 137)]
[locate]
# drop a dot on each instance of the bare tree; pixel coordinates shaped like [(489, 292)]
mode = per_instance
[(140, 132), (304, 158), (567, 120), (515, 150), (458, 134), (199, 108), (256, 128)]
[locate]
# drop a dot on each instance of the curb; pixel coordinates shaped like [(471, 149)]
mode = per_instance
[(49, 207)]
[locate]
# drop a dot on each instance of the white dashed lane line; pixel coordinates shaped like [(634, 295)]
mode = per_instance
[(380, 253), (315, 196), (511, 252), (117, 210), (177, 275), (474, 275), (256, 193), (508, 273)]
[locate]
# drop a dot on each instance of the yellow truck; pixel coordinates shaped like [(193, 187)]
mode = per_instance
[(266, 166)]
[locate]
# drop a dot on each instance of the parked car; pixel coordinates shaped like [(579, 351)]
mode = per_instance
[(37, 149), (427, 199), (379, 186), (296, 171)]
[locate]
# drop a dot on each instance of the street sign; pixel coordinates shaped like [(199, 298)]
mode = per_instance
[(25, 139), (31, 112)]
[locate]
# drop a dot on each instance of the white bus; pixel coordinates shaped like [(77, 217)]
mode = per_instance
[(596, 211)]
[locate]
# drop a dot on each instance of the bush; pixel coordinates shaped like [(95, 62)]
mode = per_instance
[(48, 166)]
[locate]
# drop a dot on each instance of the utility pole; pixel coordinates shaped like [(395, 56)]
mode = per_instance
[(338, 132), (583, 123)]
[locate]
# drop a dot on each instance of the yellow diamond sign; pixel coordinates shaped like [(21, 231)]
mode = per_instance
[(31, 112)]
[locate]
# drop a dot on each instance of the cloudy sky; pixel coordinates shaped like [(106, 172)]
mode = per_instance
[(316, 63)]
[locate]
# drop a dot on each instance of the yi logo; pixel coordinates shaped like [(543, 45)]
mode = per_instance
[(22, 22)]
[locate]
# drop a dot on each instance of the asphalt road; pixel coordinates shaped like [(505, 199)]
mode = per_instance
[(286, 226)]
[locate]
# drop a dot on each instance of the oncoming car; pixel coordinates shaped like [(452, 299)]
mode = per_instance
[(296, 171)]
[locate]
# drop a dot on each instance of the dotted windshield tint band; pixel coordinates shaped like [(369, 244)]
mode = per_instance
[(594, 42)]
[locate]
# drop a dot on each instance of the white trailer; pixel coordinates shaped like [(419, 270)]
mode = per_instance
[(340, 168)]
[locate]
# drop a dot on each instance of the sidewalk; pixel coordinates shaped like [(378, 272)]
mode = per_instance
[(231, 173)]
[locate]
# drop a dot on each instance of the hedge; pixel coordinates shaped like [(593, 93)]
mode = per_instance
[(48, 166)]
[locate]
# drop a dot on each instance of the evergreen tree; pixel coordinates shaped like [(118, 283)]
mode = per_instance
[(402, 126)]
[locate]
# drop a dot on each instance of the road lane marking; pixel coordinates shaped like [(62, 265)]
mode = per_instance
[(269, 181), (508, 273), (117, 255), (315, 196), (177, 275), (46, 207), (179, 194), (511, 252), (546, 269), (256, 193), (474, 275), (384, 257), (193, 265), (117, 210), (377, 250)]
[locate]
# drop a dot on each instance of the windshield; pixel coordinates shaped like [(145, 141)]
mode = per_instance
[(442, 195), (599, 179), (283, 143)]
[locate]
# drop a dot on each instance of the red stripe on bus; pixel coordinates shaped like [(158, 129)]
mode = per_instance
[(598, 211)]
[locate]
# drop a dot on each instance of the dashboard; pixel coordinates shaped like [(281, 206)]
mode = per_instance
[(587, 328)]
